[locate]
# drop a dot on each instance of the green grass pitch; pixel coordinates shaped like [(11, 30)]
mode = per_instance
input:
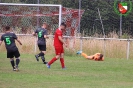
[(80, 73)]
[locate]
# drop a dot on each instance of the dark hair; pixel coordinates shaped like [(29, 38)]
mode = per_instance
[(63, 24), (7, 28), (101, 56)]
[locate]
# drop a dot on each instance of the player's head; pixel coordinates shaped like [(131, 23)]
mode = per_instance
[(44, 25), (7, 28), (63, 26), (98, 57)]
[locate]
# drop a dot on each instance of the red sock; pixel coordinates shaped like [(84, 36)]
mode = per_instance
[(62, 62), (52, 61)]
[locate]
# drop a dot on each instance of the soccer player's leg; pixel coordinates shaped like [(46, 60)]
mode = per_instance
[(43, 57), (91, 57), (85, 55), (17, 56), (82, 54), (13, 64), (79, 52), (40, 54), (10, 55), (62, 58), (58, 54)]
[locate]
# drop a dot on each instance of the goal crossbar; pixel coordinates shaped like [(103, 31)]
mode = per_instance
[(30, 4)]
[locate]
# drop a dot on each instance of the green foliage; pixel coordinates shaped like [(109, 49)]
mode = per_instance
[(125, 36)]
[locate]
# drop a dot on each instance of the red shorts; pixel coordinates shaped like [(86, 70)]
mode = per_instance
[(59, 50)]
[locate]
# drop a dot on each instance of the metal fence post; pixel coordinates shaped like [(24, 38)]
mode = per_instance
[(79, 25), (35, 48), (128, 48), (104, 47)]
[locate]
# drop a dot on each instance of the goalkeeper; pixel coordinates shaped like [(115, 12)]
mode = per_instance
[(96, 57)]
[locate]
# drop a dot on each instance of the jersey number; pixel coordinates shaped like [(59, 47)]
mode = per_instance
[(40, 34), (8, 41)]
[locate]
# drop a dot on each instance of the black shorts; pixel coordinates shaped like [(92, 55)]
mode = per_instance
[(15, 54), (42, 47)]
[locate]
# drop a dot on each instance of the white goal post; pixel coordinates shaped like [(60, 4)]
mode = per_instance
[(18, 16), (25, 18)]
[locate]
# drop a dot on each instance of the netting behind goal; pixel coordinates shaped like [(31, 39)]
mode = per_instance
[(25, 18)]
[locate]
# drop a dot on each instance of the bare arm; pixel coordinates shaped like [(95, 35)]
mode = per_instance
[(19, 41), (91, 57), (60, 38), (46, 36), (34, 34), (1, 40)]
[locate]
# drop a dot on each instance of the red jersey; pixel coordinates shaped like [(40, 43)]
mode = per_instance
[(57, 42)]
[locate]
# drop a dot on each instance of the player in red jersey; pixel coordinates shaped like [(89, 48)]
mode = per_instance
[(58, 45)]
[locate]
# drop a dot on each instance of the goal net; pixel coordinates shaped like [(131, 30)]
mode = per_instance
[(25, 18)]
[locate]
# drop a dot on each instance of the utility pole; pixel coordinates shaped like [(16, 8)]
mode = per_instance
[(120, 24)]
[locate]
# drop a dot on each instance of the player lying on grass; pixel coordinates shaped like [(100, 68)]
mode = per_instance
[(12, 50), (96, 57)]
